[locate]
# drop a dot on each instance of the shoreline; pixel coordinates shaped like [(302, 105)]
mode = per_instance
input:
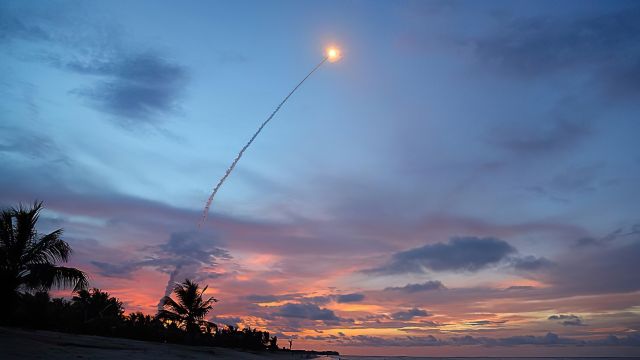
[(27, 344)]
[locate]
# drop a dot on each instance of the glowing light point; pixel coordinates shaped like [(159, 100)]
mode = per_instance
[(333, 54)]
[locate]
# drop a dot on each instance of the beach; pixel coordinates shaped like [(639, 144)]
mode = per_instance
[(37, 344)]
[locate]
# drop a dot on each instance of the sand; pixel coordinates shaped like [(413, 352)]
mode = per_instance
[(35, 344)]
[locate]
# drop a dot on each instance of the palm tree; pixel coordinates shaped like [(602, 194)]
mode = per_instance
[(96, 304), (28, 260), (190, 309)]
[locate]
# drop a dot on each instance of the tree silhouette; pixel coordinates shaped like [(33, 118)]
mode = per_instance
[(96, 304), (28, 260), (190, 309)]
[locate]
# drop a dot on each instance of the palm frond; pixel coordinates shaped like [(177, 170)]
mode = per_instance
[(169, 303), (168, 315), (45, 276), (187, 293), (7, 237), (48, 249), (25, 224)]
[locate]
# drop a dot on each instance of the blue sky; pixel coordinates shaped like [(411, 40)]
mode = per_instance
[(476, 145)]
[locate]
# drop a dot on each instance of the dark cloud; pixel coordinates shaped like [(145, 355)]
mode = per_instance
[(138, 86), (550, 339), (12, 27), (530, 263), (547, 340), (567, 320), (459, 254), (519, 288), (120, 270), (366, 340), (605, 240), (485, 322), (425, 326), (558, 134), (597, 270), (267, 298), (316, 300), (413, 288), (410, 314), (347, 298), (306, 311), (604, 43), (133, 84), (29, 144)]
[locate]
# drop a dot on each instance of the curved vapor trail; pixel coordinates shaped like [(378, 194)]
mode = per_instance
[(235, 161)]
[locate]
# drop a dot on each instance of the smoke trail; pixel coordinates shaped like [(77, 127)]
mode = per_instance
[(235, 161), (173, 280)]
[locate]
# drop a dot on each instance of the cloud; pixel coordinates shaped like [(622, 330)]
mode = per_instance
[(268, 298), (135, 85), (186, 255), (29, 144), (12, 27), (182, 249), (193, 246), (118, 270), (227, 320), (409, 314), (347, 298), (459, 254), (413, 288), (546, 340), (559, 134), (485, 322), (300, 297), (605, 240), (425, 326), (306, 311), (519, 288), (138, 86), (550, 339), (567, 320), (600, 46), (530, 263), (597, 270), (529, 46)]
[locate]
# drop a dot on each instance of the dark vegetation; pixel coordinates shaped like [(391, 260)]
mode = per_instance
[(29, 269)]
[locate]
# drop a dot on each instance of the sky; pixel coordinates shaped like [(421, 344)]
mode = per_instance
[(464, 181)]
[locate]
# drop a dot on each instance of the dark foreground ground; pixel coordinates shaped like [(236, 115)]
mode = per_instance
[(34, 344)]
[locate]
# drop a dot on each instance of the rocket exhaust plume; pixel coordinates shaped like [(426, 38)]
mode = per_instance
[(332, 55)]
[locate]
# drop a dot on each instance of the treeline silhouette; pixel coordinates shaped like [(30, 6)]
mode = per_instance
[(29, 268), (95, 312)]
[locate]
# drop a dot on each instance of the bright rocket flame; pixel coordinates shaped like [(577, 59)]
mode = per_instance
[(333, 54)]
